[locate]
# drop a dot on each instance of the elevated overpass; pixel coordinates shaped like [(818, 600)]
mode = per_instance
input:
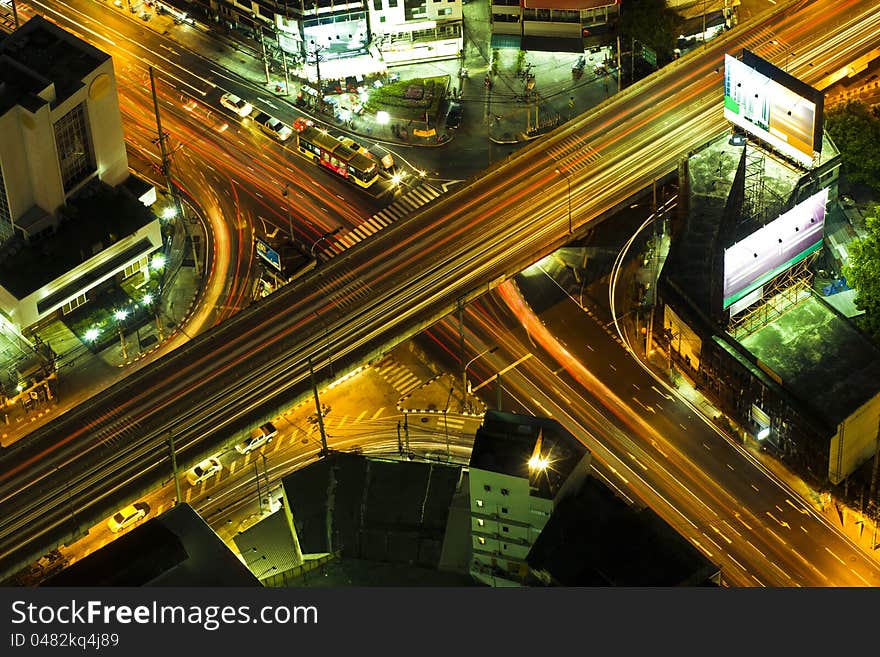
[(78, 469)]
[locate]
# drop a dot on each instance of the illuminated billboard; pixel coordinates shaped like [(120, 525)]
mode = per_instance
[(773, 106), (772, 249), (268, 254)]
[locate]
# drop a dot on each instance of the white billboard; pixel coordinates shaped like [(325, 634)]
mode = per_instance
[(775, 247), (773, 106)]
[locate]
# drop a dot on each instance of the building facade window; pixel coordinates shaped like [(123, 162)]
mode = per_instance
[(505, 529), (480, 504), (73, 303), (481, 540), (487, 487), (504, 491), (75, 156), (480, 522), (503, 509)]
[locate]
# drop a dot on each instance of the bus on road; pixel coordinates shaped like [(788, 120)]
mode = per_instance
[(328, 151)]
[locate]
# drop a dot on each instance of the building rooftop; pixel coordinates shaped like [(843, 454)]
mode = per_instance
[(40, 53), (176, 548), (819, 355), (370, 509), (97, 218), (506, 441), (594, 538)]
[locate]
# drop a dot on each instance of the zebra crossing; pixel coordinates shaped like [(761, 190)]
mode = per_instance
[(397, 376), (574, 153), (406, 204)]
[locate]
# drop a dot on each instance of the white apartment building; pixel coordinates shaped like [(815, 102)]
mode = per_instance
[(407, 31), (520, 468), (61, 131)]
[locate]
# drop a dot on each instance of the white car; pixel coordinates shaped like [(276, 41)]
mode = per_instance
[(236, 104), (127, 516), (203, 470), (275, 128), (257, 438)]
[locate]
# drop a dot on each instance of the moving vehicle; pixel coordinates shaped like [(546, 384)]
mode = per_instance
[(127, 516), (453, 115), (238, 105), (203, 471), (328, 151), (272, 126), (257, 438)]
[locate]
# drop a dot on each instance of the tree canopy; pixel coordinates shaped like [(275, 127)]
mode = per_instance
[(862, 271), (855, 131), (651, 23)]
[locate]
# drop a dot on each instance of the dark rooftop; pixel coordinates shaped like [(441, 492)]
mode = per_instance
[(830, 365), (175, 549), (370, 509), (594, 538), (50, 54), (99, 216), (506, 441)]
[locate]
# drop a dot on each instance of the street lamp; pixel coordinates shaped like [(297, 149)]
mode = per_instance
[(120, 315), (286, 194), (153, 304), (329, 233), (567, 177), (464, 380)]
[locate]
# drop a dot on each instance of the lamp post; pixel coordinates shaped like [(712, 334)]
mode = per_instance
[(286, 194), (120, 315), (464, 381), (329, 233), (567, 177)]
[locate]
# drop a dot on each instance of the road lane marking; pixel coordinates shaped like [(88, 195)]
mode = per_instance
[(641, 465), (731, 467), (378, 413), (797, 507), (707, 447), (719, 532), (657, 447), (756, 488), (756, 549), (867, 583), (835, 556), (737, 516), (697, 543), (647, 408), (682, 426), (759, 581)]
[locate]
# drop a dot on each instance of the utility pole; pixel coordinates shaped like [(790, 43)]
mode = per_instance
[(463, 365), (259, 492), (406, 432), (399, 442), (14, 14), (872, 491), (174, 468), (618, 63), (498, 390), (166, 171), (324, 449), (265, 56)]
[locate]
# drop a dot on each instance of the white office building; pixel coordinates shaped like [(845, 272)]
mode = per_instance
[(520, 468), (61, 133)]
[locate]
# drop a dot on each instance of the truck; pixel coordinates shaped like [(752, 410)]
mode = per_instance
[(272, 126)]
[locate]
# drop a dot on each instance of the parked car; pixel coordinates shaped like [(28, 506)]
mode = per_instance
[(257, 438), (127, 516), (203, 471), (272, 126), (453, 115), (238, 105)]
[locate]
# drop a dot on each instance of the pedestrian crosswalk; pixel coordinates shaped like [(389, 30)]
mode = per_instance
[(397, 376), (415, 198), (573, 153)]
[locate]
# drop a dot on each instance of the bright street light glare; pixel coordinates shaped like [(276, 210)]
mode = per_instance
[(169, 213), (157, 262), (120, 314), (148, 298), (382, 117), (92, 334)]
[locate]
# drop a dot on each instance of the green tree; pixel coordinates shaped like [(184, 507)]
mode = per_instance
[(651, 23), (855, 131), (862, 272)]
